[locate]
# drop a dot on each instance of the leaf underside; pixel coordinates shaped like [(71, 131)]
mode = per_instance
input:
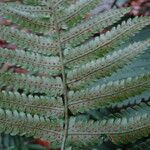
[(77, 64)]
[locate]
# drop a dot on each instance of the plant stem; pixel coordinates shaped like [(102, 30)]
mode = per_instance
[(65, 98)]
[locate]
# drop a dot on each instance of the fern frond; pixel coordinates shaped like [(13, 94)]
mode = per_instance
[(28, 8), (50, 86), (45, 106), (83, 31), (31, 61), (13, 122), (75, 13), (50, 3), (103, 44), (112, 92), (104, 66), (30, 41), (26, 19), (133, 69), (145, 96), (35, 2), (71, 71), (132, 121), (132, 136), (45, 11)]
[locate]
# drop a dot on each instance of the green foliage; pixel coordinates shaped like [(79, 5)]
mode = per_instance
[(103, 44), (83, 31), (33, 104), (29, 41), (32, 61), (82, 85), (126, 126), (104, 66), (106, 94), (14, 122), (50, 86)]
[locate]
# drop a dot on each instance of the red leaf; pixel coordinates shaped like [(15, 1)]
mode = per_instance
[(42, 143), (20, 70)]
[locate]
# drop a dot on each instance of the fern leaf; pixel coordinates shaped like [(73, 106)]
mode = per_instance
[(101, 45), (43, 105), (27, 20), (100, 96), (14, 122), (31, 61), (132, 136), (29, 41), (63, 44), (132, 121), (75, 13), (145, 96), (45, 11), (83, 31), (51, 86), (50, 3), (35, 2), (104, 66)]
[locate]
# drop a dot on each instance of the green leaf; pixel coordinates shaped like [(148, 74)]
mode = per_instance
[(32, 42), (75, 12), (31, 61), (132, 124), (25, 19), (14, 122), (106, 42), (50, 86), (103, 67), (46, 106), (86, 29), (106, 94)]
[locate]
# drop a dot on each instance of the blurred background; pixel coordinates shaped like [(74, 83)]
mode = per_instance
[(7, 142), (139, 7)]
